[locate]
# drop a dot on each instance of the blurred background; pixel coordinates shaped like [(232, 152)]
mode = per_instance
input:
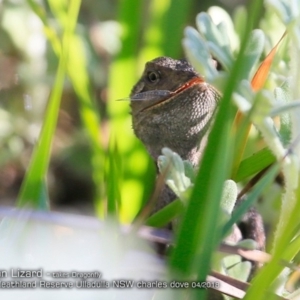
[(118, 37)]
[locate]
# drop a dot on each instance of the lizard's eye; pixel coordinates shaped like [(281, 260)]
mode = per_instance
[(153, 76)]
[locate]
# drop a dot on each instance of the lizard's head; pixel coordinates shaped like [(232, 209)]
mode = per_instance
[(171, 107)]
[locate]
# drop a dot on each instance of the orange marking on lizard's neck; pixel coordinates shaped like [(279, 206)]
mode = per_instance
[(191, 82)]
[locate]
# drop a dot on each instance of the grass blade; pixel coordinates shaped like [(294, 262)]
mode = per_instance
[(49, 32), (253, 164), (262, 72), (284, 250), (198, 236), (33, 185), (78, 75), (112, 179), (252, 197), (176, 17), (166, 214), (257, 83)]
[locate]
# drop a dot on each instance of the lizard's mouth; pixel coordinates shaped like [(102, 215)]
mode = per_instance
[(167, 96), (187, 85)]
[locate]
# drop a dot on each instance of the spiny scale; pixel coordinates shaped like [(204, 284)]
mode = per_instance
[(176, 110)]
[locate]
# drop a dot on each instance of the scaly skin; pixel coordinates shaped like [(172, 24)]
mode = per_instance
[(179, 120), (173, 107)]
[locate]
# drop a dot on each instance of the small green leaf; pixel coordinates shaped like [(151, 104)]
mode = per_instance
[(229, 196), (189, 170), (166, 214), (218, 43), (255, 163), (171, 164), (198, 53), (248, 244), (253, 52), (240, 271), (252, 197), (230, 260), (283, 96)]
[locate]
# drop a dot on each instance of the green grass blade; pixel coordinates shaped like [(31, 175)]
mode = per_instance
[(33, 185), (122, 77), (78, 75), (198, 236), (174, 21), (49, 32), (166, 214), (284, 250), (112, 178), (255, 163), (251, 198)]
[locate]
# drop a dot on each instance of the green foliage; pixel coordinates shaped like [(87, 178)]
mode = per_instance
[(229, 196), (176, 177), (122, 172), (164, 216), (140, 42), (33, 188), (253, 164), (199, 234)]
